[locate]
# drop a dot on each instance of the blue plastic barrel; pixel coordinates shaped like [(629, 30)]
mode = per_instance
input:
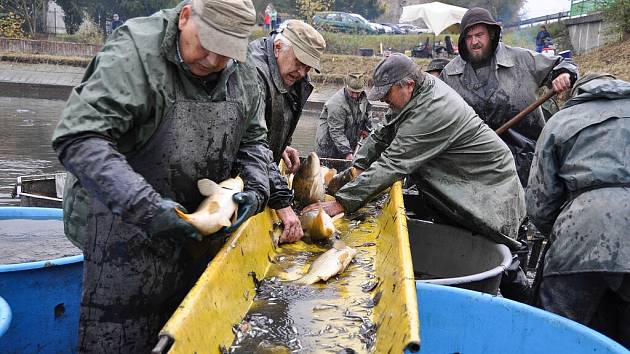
[(454, 320), (44, 297), (5, 317)]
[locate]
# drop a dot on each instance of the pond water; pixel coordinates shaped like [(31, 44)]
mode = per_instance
[(27, 127)]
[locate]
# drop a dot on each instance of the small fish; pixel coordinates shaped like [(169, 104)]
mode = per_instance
[(318, 225), (217, 209), (328, 174), (330, 263), (308, 183)]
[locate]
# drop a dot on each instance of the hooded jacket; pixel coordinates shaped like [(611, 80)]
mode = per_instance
[(579, 186)]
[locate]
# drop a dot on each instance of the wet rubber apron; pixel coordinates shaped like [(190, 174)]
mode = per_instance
[(131, 283)]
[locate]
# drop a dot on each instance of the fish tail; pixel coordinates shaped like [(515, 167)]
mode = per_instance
[(182, 215), (308, 279)]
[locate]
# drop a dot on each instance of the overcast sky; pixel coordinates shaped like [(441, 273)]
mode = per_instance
[(535, 8)]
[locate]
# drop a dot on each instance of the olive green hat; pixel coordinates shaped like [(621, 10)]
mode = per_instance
[(225, 26), (355, 82), (308, 44)]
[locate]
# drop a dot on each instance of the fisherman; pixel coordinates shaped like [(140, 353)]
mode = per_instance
[(344, 120), (460, 166), (579, 195), (542, 37), (166, 102), (499, 81), (436, 66), (283, 61)]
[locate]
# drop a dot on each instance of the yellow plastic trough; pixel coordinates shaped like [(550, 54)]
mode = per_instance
[(224, 293)]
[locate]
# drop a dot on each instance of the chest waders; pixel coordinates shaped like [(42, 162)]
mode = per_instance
[(131, 283)]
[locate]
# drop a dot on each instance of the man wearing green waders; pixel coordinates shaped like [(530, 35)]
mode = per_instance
[(166, 102)]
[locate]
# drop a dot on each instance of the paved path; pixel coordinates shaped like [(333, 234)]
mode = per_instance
[(66, 77)]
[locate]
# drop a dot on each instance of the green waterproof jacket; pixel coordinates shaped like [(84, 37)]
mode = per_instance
[(579, 185), (129, 87), (341, 123), (440, 141)]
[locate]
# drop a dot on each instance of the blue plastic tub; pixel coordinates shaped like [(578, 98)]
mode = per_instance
[(44, 297), (5, 317), (462, 321)]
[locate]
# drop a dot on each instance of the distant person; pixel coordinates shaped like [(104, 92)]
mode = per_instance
[(116, 22), (579, 196), (541, 38), (274, 19), (436, 66), (344, 120), (267, 21)]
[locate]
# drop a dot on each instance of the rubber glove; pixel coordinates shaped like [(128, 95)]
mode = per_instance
[(248, 204), (167, 223)]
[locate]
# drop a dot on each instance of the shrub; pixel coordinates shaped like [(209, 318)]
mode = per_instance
[(89, 32), (11, 26)]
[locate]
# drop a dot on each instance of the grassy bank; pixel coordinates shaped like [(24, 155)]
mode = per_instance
[(349, 44), (611, 58)]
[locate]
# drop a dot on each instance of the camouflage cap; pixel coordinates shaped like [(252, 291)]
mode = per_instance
[(389, 71), (355, 82), (308, 44), (225, 26)]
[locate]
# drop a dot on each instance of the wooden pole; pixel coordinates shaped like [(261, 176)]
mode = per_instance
[(529, 109)]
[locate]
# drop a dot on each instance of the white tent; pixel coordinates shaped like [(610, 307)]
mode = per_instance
[(438, 16)]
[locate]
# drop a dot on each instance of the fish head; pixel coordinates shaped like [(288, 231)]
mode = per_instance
[(235, 184), (322, 226), (311, 166)]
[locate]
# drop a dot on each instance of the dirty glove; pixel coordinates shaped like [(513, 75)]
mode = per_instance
[(248, 205), (339, 180), (167, 223)]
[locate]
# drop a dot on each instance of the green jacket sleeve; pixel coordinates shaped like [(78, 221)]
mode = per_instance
[(545, 192), (254, 157), (374, 145), (415, 143)]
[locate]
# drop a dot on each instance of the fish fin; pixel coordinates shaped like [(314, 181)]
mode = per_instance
[(338, 245), (224, 222), (182, 215), (308, 279), (207, 187), (337, 217)]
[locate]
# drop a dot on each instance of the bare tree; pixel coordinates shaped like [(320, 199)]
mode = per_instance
[(32, 11)]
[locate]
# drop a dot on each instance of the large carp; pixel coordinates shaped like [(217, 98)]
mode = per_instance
[(330, 263), (308, 183), (318, 225), (218, 208)]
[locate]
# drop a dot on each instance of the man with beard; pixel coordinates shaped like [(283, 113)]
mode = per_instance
[(499, 81), (344, 120), (283, 61)]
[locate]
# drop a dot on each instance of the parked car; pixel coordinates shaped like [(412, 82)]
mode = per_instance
[(412, 29), (395, 29), (335, 21), (380, 29)]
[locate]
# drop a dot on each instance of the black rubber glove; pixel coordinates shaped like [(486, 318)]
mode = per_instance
[(248, 204), (339, 180), (167, 223)]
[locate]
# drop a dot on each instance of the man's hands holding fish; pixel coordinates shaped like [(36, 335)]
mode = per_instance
[(292, 227), (166, 222)]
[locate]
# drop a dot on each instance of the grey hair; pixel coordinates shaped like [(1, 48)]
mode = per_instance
[(417, 76), (285, 44)]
